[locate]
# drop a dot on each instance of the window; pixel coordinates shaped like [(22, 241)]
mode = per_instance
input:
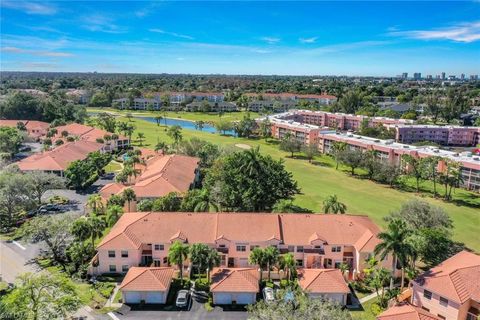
[(427, 294), (112, 268), (242, 248), (124, 254), (426, 309), (156, 263), (299, 263), (165, 260), (441, 317), (124, 268), (299, 248), (336, 249), (318, 247), (159, 247), (291, 248), (443, 302), (221, 246), (111, 254)]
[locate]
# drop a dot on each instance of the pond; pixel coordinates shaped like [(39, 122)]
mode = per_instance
[(185, 124)]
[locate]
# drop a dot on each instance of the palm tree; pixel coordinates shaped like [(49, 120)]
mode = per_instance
[(95, 203), (129, 196), (271, 258), (158, 119), (141, 137), (161, 146), (395, 241), (337, 149), (97, 225), (254, 161), (213, 260), (113, 214), (199, 125), (257, 256), (175, 132), (332, 205), (288, 263), (177, 254), (198, 256)]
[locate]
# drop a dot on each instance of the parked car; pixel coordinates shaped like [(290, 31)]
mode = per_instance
[(183, 297), (268, 295), (50, 207)]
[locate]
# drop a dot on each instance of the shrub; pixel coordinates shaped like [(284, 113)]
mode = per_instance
[(202, 284), (284, 283), (375, 309)]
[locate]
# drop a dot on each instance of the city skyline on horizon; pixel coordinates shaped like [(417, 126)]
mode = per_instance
[(382, 39)]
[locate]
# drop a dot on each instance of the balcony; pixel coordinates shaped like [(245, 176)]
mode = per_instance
[(315, 250), (283, 250), (222, 250)]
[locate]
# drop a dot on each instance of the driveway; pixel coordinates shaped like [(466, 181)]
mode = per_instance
[(196, 312), (16, 258)]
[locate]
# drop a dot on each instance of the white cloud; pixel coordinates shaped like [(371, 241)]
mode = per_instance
[(270, 40), (30, 7), (16, 50), (464, 32), (174, 34), (308, 40), (100, 23)]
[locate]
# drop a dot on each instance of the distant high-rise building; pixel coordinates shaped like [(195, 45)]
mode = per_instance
[(417, 76), (443, 76), (405, 75), (474, 77), (437, 77), (429, 77), (452, 77), (462, 76)]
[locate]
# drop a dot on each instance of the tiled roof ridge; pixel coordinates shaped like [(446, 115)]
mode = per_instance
[(138, 275), (123, 231), (240, 271), (247, 274)]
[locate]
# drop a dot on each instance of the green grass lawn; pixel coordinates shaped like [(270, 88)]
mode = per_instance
[(113, 166), (193, 116), (366, 313), (319, 179)]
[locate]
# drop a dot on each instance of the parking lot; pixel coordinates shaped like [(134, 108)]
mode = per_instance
[(195, 311)]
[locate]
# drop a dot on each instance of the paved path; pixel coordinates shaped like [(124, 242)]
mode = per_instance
[(369, 297)]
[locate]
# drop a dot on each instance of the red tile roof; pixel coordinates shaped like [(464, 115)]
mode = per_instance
[(84, 132), (34, 128), (322, 281), (147, 279), (457, 278), (59, 158), (133, 229), (235, 280), (405, 311), (161, 175)]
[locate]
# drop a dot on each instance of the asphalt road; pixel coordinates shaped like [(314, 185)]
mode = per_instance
[(15, 258)]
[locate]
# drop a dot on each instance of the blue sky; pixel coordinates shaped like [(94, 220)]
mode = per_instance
[(298, 38)]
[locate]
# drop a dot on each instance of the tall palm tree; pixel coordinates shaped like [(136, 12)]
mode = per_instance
[(97, 225), (199, 125), (95, 203), (254, 161), (337, 149), (332, 205), (177, 254), (158, 119), (129, 196), (175, 132), (213, 260), (161, 146), (141, 137), (198, 256), (271, 258), (257, 256), (113, 214), (395, 241), (288, 263)]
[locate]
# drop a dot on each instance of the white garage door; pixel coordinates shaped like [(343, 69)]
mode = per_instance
[(245, 298), (222, 298), (132, 296), (154, 297), (243, 262)]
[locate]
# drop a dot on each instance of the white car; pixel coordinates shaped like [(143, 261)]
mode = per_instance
[(268, 295), (182, 298)]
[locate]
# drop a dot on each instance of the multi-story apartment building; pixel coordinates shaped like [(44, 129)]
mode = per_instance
[(340, 121), (322, 99), (443, 135), (271, 105), (212, 106), (304, 133), (35, 129), (449, 291), (138, 103), (392, 152), (315, 240), (177, 98)]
